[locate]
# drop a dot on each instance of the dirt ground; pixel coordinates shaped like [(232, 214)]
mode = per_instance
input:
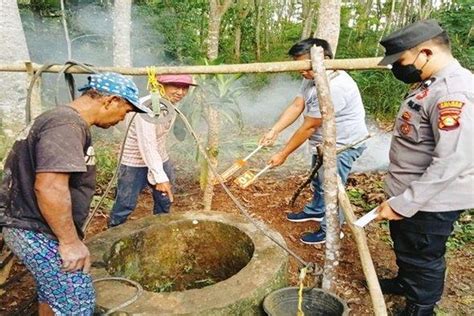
[(267, 200)]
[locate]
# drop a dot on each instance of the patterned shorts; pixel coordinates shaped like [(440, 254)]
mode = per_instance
[(67, 293)]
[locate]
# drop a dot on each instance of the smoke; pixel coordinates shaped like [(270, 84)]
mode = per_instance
[(91, 33), (375, 157), (262, 107)]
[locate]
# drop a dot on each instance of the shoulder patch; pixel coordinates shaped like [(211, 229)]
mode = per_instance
[(449, 114), (450, 104)]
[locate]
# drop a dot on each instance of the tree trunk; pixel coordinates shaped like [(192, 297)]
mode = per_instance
[(213, 122), (386, 30), (330, 169), (329, 19), (14, 51), (216, 11), (242, 12), (402, 14), (237, 42), (307, 18), (258, 10), (122, 30), (266, 33)]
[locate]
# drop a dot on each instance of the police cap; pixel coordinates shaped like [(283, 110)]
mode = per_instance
[(408, 37)]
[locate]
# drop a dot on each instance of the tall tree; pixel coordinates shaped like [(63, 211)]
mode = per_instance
[(14, 51), (387, 29), (122, 29), (258, 22), (217, 10), (307, 16), (243, 9), (328, 28), (329, 19)]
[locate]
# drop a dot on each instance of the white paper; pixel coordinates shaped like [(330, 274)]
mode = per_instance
[(367, 218)]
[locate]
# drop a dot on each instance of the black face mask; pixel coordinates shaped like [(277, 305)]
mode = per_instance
[(407, 73)]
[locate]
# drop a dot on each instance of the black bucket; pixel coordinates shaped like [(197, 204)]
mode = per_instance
[(316, 302)]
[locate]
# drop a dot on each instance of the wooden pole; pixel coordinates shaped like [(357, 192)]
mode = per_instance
[(330, 168), (34, 108), (283, 66), (376, 295)]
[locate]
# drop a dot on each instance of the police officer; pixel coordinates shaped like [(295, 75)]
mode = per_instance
[(431, 173)]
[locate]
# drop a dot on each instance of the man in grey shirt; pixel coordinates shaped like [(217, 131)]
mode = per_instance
[(431, 172), (350, 125)]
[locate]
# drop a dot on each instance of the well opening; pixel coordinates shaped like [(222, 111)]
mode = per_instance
[(181, 256)]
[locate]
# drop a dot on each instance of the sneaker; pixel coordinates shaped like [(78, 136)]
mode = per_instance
[(316, 238), (412, 309), (391, 286), (304, 217)]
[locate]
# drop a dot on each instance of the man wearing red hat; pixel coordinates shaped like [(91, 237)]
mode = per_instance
[(145, 160)]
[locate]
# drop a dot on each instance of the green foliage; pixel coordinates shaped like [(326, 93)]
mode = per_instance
[(182, 24), (106, 163), (381, 93), (457, 20), (463, 233), (220, 92)]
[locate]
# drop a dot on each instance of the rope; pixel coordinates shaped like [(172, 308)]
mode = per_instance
[(237, 203), (300, 292), (137, 294), (154, 86), (111, 182)]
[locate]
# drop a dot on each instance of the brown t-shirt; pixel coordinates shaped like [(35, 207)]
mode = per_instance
[(57, 141)]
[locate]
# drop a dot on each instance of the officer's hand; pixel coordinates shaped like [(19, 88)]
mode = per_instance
[(277, 159), (269, 138), (386, 212), (165, 189), (75, 256)]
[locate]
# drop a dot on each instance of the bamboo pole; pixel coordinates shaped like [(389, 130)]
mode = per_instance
[(34, 108), (330, 168), (376, 295), (282, 66)]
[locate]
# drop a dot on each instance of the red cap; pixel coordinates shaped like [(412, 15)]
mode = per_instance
[(180, 79)]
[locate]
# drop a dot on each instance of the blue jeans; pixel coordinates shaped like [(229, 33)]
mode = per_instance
[(131, 182), (344, 166)]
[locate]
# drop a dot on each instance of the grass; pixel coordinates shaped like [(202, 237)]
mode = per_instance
[(463, 233)]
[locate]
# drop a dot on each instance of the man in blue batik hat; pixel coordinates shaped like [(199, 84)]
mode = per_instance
[(47, 188)]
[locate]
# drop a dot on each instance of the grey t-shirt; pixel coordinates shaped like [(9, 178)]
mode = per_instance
[(57, 141), (348, 107)]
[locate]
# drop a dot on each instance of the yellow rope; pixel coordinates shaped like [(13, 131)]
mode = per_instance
[(300, 291), (154, 86)]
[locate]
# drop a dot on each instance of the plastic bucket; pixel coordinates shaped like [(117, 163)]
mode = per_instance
[(316, 302)]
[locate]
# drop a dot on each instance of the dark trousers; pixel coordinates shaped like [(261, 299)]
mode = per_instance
[(420, 246)]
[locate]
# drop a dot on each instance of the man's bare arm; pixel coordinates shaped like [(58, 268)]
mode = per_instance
[(309, 126), (288, 117), (54, 200)]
